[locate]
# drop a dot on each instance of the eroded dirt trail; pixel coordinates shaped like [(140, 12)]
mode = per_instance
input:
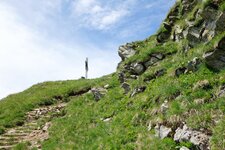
[(35, 129)]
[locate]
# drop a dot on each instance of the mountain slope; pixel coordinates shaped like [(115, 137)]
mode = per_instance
[(167, 93)]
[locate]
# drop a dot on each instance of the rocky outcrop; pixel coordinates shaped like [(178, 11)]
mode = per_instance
[(126, 51), (191, 66), (197, 138), (216, 58)]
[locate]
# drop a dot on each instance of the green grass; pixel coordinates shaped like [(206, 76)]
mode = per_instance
[(15, 106)]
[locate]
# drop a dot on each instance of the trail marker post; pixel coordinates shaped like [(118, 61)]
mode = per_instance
[(86, 68)]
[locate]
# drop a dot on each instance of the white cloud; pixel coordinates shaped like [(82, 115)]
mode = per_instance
[(28, 57), (96, 14)]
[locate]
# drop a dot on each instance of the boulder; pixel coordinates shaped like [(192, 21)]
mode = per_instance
[(137, 68), (216, 59), (193, 35), (126, 51), (126, 87), (162, 131)]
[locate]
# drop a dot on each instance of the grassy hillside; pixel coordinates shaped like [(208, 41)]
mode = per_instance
[(180, 87)]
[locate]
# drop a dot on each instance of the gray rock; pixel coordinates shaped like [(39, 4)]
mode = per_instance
[(138, 90), (201, 140), (179, 71), (193, 35), (126, 87), (121, 77), (197, 138), (182, 134), (151, 62), (184, 148), (203, 84), (137, 68), (98, 93), (216, 58), (193, 65), (160, 72), (126, 51), (164, 107), (221, 92), (178, 33), (159, 56), (220, 25), (162, 131)]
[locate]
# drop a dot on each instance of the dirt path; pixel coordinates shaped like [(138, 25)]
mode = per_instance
[(35, 129)]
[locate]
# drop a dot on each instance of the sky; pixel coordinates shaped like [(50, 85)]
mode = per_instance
[(49, 40)]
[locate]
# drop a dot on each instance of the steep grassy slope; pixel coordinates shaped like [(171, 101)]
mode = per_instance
[(179, 88)]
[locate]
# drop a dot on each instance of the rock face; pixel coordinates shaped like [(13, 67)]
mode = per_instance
[(126, 51), (197, 138), (216, 58)]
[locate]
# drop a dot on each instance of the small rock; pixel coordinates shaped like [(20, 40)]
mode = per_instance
[(149, 125), (98, 93), (149, 78), (106, 86), (184, 148), (133, 76), (151, 62), (159, 56), (182, 134), (126, 87), (162, 131), (160, 72), (221, 92), (180, 71), (193, 65), (138, 90), (199, 101), (164, 107), (121, 77), (204, 84)]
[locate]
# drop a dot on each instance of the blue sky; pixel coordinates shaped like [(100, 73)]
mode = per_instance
[(42, 40)]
